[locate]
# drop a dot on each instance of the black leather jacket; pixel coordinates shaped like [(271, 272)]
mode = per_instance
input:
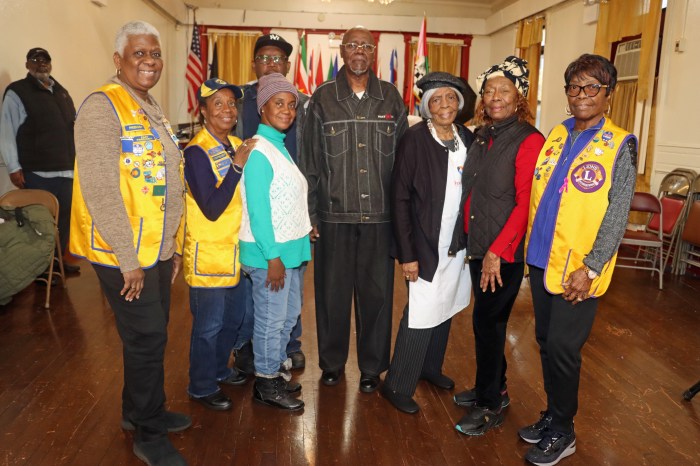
[(348, 147)]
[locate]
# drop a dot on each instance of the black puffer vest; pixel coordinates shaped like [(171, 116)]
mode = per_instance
[(488, 176), (45, 139)]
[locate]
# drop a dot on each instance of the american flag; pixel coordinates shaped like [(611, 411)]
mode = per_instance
[(195, 73)]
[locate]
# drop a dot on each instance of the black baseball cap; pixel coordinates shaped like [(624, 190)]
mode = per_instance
[(275, 41), (38, 52)]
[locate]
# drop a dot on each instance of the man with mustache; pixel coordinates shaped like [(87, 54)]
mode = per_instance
[(350, 134), (36, 137)]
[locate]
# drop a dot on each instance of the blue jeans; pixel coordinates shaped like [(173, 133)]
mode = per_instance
[(217, 317), (276, 312), (294, 344)]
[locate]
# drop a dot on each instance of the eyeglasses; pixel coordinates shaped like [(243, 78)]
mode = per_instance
[(271, 59), (352, 46), (590, 90), (40, 60)]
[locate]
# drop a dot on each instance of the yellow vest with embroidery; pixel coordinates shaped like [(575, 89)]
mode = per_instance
[(141, 183), (584, 201), (210, 250)]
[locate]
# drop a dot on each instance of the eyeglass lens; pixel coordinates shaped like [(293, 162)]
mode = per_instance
[(267, 59), (590, 90)]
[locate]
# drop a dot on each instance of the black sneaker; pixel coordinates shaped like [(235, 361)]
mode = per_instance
[(534, 432), (554, 447), (467, 398), (480, 420)]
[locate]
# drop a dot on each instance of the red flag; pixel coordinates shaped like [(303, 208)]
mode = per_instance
[(195, 73), (301, 78), (312, 68), (318, 74), (420, 69)]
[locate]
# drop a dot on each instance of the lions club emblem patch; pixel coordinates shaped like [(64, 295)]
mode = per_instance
[(588, 177)]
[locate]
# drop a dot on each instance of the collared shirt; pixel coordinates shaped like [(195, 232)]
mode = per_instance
[(12, 117)]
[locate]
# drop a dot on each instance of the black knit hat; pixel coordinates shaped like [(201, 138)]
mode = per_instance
[(438, 79)]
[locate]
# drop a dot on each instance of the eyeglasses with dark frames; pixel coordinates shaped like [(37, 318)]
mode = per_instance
[(352, 46), (271, 59), (590, 90)]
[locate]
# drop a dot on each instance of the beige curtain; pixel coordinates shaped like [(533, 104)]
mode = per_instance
[(623, 104), (235, 52), (528, 41), (442, 57), (625, 18)]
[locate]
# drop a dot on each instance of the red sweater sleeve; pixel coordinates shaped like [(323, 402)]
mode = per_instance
[(507, 242)]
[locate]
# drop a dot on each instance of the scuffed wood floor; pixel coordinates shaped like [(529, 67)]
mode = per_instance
[(61, 370)]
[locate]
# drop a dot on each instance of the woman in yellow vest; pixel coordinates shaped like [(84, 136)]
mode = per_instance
[(581, 192), (127, 206), (220, 298)]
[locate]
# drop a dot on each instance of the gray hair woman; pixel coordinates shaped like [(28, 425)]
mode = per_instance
[(425, 197), (124, 223)]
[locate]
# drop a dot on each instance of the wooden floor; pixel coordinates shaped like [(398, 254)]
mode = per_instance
[(61, 372)]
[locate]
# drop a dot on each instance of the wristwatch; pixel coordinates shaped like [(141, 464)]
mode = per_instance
[(590, 273)]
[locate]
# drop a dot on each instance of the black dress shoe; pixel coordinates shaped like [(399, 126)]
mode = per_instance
[(439, 380), (331, 377), (175, 422), (298, 359), (217, 401), (69, 268), (158, 452), (368, 383), (236, 378), (401, 402)]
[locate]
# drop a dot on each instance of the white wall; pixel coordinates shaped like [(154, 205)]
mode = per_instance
[(80, 39), (677, 142), (567, 38)]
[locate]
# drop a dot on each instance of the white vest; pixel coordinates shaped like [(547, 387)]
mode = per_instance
[(288, 197)]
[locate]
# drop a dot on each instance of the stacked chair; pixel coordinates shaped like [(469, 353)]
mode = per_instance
[(688, 252)]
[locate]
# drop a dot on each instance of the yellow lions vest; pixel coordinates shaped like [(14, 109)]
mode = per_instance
[(584, 200), (141, 183), (210, 253)]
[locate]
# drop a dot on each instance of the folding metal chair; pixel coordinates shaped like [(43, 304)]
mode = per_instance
[(652, 242), (689, 250), (25, 197)]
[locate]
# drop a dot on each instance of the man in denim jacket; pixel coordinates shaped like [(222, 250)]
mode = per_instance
[(351, 131)]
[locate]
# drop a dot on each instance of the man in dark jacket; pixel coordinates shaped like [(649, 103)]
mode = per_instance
[(36, 137), (350, 135)]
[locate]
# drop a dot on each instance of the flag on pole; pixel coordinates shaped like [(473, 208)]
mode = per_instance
[(301, 76), (318, 74), (393, 63), (335, 66), (195, 73), (312, 68), (214, 66), (420, 69), (331, 75)]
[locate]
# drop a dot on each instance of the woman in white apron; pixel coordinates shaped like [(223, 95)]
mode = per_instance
[(426, 193)]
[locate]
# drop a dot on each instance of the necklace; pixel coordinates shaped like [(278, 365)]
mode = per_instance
[(454, 134)]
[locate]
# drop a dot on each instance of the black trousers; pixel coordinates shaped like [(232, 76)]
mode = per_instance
[(561, 330), (489, 320), (62, 188), (142, 325), (352, 262), (417, 352)]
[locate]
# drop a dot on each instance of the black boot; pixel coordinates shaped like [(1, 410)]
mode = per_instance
[(244, 359), (273, 392)]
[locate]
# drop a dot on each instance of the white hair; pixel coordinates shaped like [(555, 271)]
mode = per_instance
[(133, 28), (425, 98)]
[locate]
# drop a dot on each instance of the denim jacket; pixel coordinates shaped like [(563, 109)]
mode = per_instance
[(348, 148)]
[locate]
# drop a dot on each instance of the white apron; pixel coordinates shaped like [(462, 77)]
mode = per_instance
[(432, 303)]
